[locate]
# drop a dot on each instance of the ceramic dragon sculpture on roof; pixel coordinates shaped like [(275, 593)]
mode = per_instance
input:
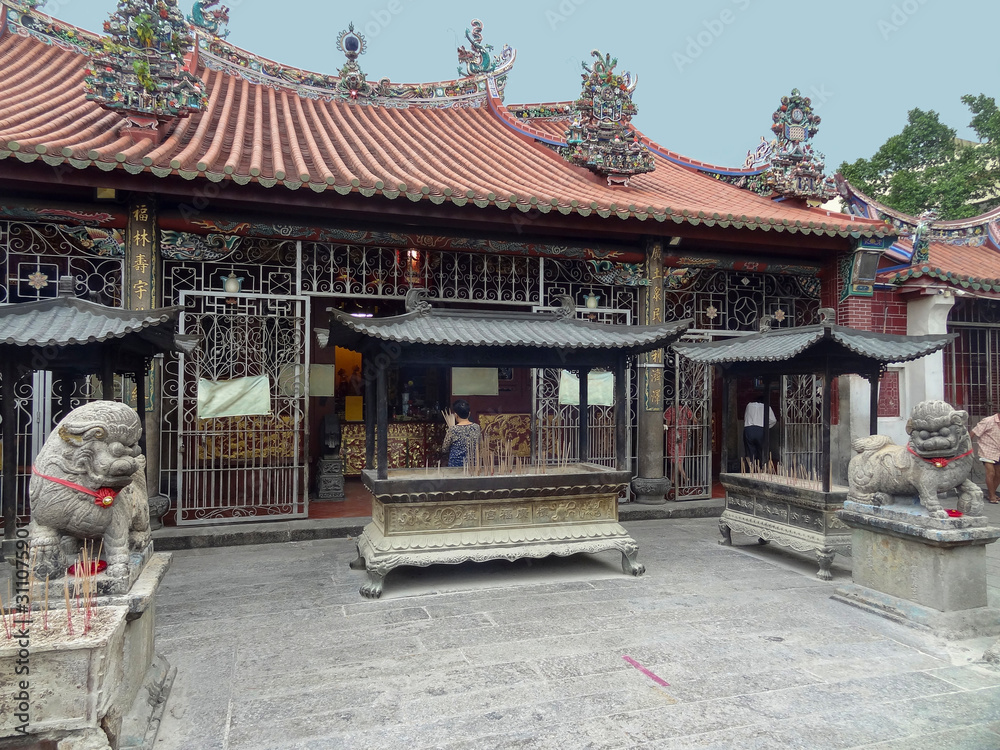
[(478, 59), (210, 19)]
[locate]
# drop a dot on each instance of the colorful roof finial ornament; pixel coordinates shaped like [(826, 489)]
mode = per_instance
[(208, 18), (141, 72), (478, 60), (921, 237), (599, 137), (796, 168), (353, 81)]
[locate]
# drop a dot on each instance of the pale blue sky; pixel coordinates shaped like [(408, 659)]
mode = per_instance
[(710, 73)]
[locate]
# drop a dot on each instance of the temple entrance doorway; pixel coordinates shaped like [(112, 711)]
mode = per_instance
[(242, 408)]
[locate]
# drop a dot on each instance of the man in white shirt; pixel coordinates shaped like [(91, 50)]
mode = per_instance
[(753, 431)]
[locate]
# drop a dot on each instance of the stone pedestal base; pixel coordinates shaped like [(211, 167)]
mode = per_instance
[(925, 571), (650, 490), (330, 479), (966, 623)]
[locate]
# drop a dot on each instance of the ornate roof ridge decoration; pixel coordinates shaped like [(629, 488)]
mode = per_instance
[(478, 60), (217, 54), (796, 169), (206, 17), (141, 73), (25, 20), (599, 137), (974, 231), (542, 111), (961, 281)]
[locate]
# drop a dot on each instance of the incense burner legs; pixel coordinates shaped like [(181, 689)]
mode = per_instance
[(629, 562)]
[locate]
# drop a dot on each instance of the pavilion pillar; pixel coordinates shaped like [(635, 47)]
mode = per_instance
[(8, 383), (142, 275), (650, 486), (827, 458), (583, 446), (383, 422), (729, 449), (621, 416), (766, 455), (369, 412), (873, 380)]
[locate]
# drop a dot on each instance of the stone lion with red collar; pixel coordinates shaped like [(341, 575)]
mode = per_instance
[(89, 482), (938, 458)]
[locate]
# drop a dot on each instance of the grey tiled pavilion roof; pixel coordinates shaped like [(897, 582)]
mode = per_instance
[(541, 330), (847, 348), (68, 322)]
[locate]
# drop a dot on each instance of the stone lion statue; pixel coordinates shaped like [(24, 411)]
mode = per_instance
[(89, 482), (937, 458)]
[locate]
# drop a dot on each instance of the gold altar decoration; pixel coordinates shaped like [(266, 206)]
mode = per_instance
[(510, 430), (246, 438), (410, 445)]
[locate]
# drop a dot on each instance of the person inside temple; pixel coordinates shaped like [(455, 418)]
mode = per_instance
[(461, 441)]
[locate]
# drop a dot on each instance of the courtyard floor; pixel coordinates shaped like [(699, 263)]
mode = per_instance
[(715, 647)]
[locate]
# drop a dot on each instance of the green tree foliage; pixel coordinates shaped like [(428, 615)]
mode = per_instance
[(924, 167)]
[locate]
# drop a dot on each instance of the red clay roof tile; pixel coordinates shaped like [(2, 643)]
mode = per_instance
[(275, 135)]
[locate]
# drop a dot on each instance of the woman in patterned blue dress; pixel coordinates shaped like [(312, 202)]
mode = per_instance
[(461, 441)]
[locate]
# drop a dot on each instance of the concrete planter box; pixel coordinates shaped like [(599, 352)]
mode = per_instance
[(797, 514), (446, 516), (74, 679), (106, 686)]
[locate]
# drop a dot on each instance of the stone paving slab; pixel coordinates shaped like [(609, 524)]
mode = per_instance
[(276, 649)]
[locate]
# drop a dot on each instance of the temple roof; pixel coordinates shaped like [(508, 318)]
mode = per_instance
[(271, 125), (808, 349), (963, 253), (473, 328), (974, 269), (67, 333), (66, 321)]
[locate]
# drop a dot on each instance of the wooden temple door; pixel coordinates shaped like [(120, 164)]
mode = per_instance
[(242, 408), (688, 428)]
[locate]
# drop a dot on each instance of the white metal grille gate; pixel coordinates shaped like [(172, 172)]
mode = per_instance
[(556, 426), (801, 424), (688, 433), (243, 467)]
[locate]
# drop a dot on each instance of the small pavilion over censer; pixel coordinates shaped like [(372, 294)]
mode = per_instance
[(796, 505), (495, 507), (76, 338)]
